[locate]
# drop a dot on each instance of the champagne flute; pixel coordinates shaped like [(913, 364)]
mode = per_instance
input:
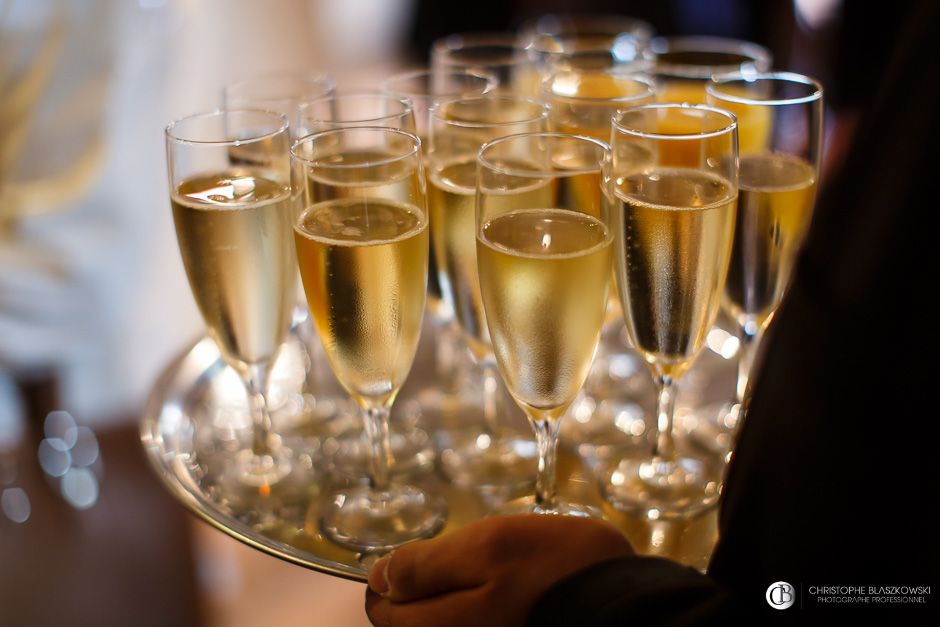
[(674, 233), (489, 460), (684, 65), (498, 54), (229, 174), (582, 101), (544, 240), (780, 126), (412, 448), (424, 89), (283, 93), (362, 247)]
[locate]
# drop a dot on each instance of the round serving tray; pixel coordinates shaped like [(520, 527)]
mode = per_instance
[(196, 419)]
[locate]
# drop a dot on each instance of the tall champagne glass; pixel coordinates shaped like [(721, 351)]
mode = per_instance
[(780, 127), (362, 247), (488, 458), (229, 175), (544, 240), (412, 449), (674, 233)]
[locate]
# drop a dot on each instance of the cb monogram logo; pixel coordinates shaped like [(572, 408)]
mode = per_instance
[(780, 595)]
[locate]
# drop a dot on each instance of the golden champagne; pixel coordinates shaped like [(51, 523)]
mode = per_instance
[(544, 275), (364, 266), (774, 211), (453, 227), (674, 239), (234, 232)]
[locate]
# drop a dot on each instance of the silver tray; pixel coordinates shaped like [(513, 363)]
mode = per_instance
[(195, 419)]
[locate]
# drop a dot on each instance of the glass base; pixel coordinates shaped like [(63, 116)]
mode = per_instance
[(503, 465), (367, 520), (659, 488), (412, 452), (527, 505), (262, 470)]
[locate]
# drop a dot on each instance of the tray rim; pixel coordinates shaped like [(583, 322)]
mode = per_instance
[(157, 456)]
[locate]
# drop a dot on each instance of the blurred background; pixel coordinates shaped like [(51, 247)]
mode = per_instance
[(94, 301)]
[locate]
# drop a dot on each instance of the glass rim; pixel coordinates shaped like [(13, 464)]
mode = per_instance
[(282, 127), (634, 76), (309, 139), (311, 78), (758, 54), (492, 81), (482, 160), (304, 107), (443, 48), (539, 106), (617, 121), (718, 80)]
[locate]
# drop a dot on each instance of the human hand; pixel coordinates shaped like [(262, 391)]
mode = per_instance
[(490, 572)]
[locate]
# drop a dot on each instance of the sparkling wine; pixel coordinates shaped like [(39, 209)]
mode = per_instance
[(674, 238), (544, 275), (234, 232), (774, 211), (364, 266)]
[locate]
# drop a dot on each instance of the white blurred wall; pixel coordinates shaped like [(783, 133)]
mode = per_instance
[(170, 58)]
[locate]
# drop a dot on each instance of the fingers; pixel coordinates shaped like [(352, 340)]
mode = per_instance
[(426, 568), (467, 558)]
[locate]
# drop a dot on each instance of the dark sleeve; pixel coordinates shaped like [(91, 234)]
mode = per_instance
[(828, 482), (637, 591)]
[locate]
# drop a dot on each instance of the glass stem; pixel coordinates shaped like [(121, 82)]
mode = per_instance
[(375, 420), (665, 446), (490, 397), (256, 382), (546, 437), (750, 336)]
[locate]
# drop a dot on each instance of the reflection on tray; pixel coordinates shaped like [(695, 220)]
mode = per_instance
[(196, 419)]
